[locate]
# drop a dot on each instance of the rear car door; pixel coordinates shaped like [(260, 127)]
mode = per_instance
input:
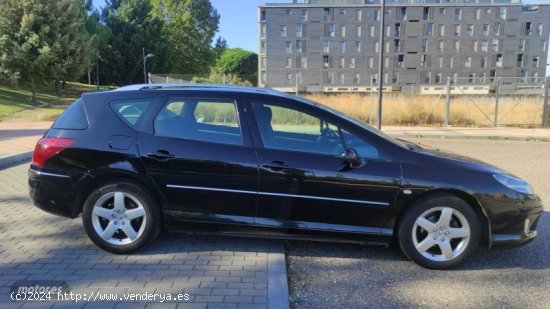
[(305, 182), (201, 157)]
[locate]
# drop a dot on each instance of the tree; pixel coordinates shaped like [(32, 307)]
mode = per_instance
[(190, 27), (37, 44), (133, 28), (239, 62)]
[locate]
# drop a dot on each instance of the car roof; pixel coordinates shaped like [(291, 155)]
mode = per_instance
[(198, 87)]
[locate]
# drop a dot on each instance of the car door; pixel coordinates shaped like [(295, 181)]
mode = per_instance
[(305, 181), (202, 159)]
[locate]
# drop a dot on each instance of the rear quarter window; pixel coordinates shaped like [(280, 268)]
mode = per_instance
[(132, 111), (73, 118)]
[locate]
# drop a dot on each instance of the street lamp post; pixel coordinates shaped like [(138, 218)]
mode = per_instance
[(145, 57)]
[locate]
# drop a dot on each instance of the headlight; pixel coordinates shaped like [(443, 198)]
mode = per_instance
[(514, 183)]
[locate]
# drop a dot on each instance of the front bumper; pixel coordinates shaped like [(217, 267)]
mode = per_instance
[(518, 225), (53, 192)]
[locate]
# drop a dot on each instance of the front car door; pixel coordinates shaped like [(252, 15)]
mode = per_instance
[(306, 184), (202, 159)]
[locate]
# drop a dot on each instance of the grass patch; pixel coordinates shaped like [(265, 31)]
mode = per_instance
[(16, 103)]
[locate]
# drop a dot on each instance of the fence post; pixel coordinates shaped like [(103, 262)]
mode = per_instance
[(545, 103), (370, 109), (448, 101), (497, 94)]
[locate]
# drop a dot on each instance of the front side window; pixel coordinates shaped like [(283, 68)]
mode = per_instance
[(200, 120), (289, 129)]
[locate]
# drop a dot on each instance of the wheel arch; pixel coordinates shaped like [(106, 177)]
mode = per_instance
[(113, 176), (465, 196)]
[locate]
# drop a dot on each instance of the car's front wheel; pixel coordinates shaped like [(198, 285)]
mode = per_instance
[(121, 217), (439, 232)]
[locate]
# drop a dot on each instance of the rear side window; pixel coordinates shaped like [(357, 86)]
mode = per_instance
[(132, 111), (73, 118), (200, 120)]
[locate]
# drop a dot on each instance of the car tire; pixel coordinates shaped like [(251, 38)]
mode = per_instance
[(439, 231), (121, 217)]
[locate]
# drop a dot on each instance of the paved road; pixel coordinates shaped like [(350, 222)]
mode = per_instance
[(214, 271), (349, 276)]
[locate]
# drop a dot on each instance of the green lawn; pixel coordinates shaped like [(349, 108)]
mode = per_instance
[(15, 102)]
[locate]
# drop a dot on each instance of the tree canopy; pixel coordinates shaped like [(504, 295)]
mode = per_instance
[(239, 62)]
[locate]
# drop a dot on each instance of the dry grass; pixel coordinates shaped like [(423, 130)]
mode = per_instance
[(416, 110)]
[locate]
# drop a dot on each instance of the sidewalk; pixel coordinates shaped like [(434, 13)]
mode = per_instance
[(17, 140)]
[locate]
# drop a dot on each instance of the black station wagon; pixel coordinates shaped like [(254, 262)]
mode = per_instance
[(237, 160)]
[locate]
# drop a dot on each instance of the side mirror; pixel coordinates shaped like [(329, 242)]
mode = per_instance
[(352, 158)]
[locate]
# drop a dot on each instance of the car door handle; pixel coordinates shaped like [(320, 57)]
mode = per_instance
[(161, 155), (276, 166)]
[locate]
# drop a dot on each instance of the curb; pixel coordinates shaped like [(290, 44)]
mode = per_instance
[(8, 161), (486, 137), (277, 284)]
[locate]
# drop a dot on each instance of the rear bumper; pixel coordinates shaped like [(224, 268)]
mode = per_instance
[(53, 192)]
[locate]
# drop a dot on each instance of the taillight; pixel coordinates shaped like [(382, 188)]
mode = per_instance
[(47, 147)]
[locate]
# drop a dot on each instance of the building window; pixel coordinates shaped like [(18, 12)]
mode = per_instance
[(536, 62), (440, 61), (357, 46), (441, 11), (303, 62), (304, 15), (468, 62), (326, 47), (352, 63), (358, 30), (458, 14), (426, 13), (400, 60), (388, 31), (527, 28), (396, 46), (326, 62), (288, 79), (288, 12), (424, 61), (487, 11), (262, 62), (359, 15), (343, 12), (440, 46), (262, 46), (496, 28), (288, 62), (499, 60), (377, 15), (342, 47), (429, 28), (330, 30), (483, 62), (520, 60), (451, 61), (484, 46), (403, 13), (371, 62), (478, 14), (283, 31), (539, 29), (397, 29), (343, 31), (485, 30), (470, 30), (357, 78), (495, 45), (395, 78), (342, 64), (543, 45), (262, 15), (424, 43), (457, 30), (299, 30), (326, 14), (342, 79), (438, 78), (299, 46), (475, 45), (371, 31), (501, 13), (263, 30), (376, 46), (288, 47), (521, 46), (441, 30), (386, 62), (457, 46), (328, 77)]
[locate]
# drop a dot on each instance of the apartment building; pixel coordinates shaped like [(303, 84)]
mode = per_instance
[(333, 45)]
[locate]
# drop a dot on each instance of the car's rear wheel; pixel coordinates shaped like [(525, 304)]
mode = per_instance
[(439, 232), (121, 217)]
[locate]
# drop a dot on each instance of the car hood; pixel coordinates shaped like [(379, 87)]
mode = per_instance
[(448, 159)]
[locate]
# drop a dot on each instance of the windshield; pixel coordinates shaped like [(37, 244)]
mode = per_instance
[(360, 123)]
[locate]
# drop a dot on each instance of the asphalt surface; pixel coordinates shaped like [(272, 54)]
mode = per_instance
[(323, 275)]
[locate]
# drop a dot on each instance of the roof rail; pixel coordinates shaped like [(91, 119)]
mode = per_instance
[(176, 86)]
